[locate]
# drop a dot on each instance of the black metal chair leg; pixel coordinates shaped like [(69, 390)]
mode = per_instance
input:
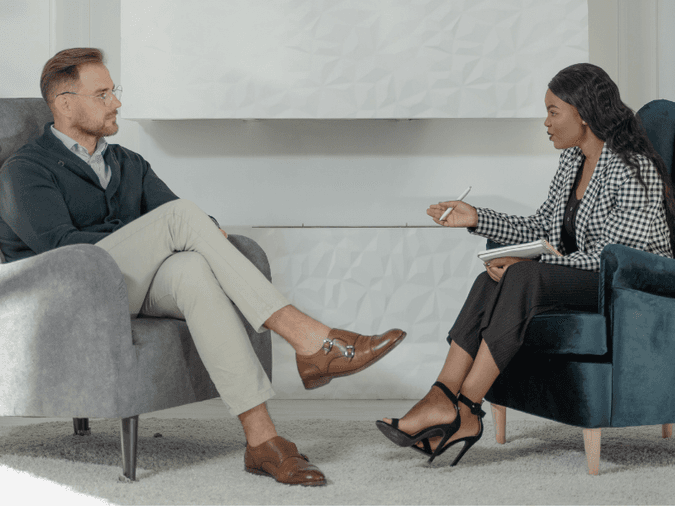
[(81, 426), (129, 442)]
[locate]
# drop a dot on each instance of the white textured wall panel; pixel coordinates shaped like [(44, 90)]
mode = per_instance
[(345, 58), (368, 280), (24, 46)]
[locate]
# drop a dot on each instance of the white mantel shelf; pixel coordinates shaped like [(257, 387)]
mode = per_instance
[(345, 59)]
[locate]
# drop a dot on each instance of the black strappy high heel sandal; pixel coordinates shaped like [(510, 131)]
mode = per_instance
[(469, 441), (444, 430)]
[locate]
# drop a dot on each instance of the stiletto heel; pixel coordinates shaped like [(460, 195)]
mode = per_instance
[(444, 430), (469, 441)]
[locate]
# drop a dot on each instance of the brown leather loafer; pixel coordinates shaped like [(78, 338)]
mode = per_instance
[(344, 353), (279, 458)]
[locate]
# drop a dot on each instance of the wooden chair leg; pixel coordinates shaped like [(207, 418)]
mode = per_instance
[(667, 430), (592, 446), (499, 420), (81, 427), (129, 432)]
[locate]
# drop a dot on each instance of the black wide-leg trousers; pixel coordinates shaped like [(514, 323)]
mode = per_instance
[(499, 313)]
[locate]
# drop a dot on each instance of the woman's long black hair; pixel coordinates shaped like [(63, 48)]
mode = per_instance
[(588, 88)]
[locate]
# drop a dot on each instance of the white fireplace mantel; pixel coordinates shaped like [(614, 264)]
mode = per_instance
[(345, 59)]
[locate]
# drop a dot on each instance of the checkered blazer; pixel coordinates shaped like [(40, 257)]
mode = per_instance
[(615, 209)]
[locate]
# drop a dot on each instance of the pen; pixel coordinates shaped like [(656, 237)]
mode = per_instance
[(449, 209)]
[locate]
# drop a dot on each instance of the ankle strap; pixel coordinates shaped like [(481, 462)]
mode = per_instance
[(446, 391), (475, 407)]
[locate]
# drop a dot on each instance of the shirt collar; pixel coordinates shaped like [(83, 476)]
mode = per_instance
[(73, 146)]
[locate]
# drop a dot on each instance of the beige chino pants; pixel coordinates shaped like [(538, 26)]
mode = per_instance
[(176, 263)]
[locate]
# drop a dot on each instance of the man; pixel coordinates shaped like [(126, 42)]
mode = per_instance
[(69, 186)]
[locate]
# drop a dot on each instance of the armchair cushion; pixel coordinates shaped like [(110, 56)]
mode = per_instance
[(556, 387), (567, 333), (21, 120)]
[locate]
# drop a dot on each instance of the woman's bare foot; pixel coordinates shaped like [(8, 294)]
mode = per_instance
[(435, 409)]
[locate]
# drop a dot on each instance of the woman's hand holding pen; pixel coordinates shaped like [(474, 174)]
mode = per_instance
[(462, 215)]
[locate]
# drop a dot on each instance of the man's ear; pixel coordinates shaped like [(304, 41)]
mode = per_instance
[(62, 106)]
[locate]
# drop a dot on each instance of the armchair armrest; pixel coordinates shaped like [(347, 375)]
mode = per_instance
[(253, 252), (637, 296), (64, 329), (623, 267)]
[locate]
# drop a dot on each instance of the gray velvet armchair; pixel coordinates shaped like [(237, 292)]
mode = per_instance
[(68, 347)]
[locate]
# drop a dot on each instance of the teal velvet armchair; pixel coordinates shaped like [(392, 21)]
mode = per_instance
[(68, 347), (614, 368)]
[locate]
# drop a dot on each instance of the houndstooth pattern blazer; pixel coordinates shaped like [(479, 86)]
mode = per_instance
[(615, 209)]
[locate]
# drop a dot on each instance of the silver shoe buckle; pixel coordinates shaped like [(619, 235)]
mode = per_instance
[(347, 351)]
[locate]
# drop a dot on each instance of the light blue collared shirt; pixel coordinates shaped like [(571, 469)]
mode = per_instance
[(95, 161)]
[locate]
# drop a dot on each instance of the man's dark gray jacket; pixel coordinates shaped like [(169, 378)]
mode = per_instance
[(49, 197)]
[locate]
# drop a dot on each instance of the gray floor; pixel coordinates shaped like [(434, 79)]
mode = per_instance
[(287, 410)]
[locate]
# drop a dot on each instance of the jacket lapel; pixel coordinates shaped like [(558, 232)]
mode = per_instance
[(114, 183), (591, 197), (574, 166)]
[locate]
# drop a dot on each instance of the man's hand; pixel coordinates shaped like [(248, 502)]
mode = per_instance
[(462, 214), (497, 266), (223, 232)]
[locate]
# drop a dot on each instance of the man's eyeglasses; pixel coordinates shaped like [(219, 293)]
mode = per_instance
[(106, 96)]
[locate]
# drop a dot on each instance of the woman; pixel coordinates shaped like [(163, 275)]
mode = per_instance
[(610, 187)]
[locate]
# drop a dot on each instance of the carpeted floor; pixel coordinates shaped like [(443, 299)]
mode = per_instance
[(201, 462)]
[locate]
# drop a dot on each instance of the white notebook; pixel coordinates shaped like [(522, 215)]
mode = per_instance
[(527, 250)]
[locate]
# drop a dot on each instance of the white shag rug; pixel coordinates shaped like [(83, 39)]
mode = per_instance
[(202, 462)]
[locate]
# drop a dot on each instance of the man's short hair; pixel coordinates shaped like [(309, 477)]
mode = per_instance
[(63, 68)]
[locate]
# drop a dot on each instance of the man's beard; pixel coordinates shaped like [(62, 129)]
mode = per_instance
[(95, 129), (104, 131)]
